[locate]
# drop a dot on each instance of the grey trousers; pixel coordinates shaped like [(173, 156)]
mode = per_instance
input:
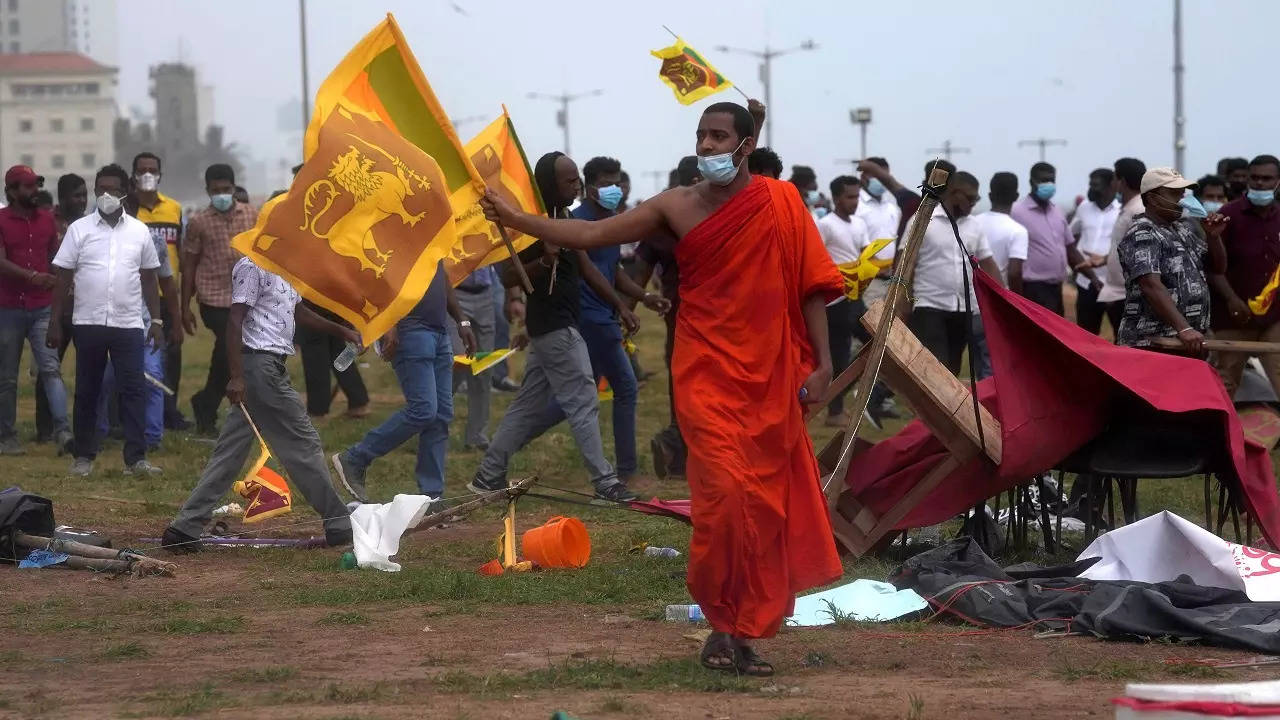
[(557, 384), (478, 308), (280, 416)]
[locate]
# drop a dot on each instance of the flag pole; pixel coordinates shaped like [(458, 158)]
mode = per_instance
[(735, 87), (515, 259)]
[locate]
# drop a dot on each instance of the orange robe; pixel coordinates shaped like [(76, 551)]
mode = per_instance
[(742, 352)]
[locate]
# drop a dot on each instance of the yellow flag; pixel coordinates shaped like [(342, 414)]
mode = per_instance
[(368, 217), (688, 75), (483, 360), (267, 492), (859, 273), (500, 161), (1262, 303)]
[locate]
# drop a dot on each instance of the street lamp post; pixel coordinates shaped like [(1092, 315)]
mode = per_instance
[(766, 74), (1042, 143), (562, 115), (947, 150), (862, 118), (1179, 121), (306, 92)]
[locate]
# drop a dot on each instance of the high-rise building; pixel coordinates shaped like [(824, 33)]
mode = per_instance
[(87, 27), (56, 113)]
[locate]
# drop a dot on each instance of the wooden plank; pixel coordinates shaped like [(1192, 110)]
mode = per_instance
[(1240, 346), (846, 378), (914, 497)]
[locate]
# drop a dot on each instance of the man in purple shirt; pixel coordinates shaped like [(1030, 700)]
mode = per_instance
[(1050, 243)]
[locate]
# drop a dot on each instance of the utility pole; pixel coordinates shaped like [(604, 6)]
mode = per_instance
[(306, 90), (1179, 121), (947, 150), (562, 115), (862, 118), (766, 75), (1042, 143)]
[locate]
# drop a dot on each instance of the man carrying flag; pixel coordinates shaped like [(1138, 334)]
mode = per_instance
[(751, 348), (264, 310)]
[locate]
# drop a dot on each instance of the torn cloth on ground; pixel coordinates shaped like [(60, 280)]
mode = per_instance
[(376, 529), (43, 559), (1055, 388), (861, 600), (1165, 546), (960, 580)]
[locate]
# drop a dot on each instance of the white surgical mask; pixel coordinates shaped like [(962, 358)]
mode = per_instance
[(148, 182), (719, 169), (108, 204)]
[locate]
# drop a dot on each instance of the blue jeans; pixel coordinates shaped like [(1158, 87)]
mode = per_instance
[(609, 360), (153, 364), (94, 345), (424, 366), (17, 326)]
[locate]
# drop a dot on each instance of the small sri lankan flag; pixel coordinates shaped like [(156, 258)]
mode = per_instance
[(688, 75)]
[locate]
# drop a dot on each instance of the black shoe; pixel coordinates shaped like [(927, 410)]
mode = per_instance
[(481, 446), (617, 492), (506, 384), (351, 477), (660, 459), (480, 486), (873, 417), (179, 423), (887, 408), (338, 538), (179, 543)]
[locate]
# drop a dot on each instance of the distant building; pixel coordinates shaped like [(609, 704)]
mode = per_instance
[(87, 27), (173, 85), (57, 110)]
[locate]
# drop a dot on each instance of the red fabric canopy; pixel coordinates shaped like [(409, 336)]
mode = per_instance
[(1053, 389)]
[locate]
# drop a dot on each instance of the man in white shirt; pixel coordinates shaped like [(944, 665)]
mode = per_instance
[(845, 236), (265, 310), (939, 318), (111, 259), (1092, 226), (1128, 181), (1006, 238), (879, 210)]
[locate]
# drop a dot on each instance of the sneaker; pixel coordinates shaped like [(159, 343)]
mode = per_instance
[(660, 458), (179, 543), (338, 538), (838, 421), (480, 486), (887, 408), (505, 384), (351, 477), (616, 492), (358, 413), (143, 468), (11, 447), (81, 467), (871, 417), (65, 442)]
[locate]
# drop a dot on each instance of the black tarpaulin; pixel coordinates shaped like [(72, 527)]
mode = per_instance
[(22, 511)]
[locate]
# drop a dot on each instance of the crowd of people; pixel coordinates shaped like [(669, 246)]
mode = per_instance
[(1147, 250)]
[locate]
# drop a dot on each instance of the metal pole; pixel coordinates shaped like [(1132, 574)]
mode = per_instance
[(564, 105), (1179, 122), (862, 128), (306, 91), (767, 69)]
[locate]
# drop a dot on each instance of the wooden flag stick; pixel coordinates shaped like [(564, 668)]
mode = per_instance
[(1239, 346), (515, 259), (910, 248)]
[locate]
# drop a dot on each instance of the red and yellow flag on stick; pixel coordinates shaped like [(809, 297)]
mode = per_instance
[(369, 215), (500, 161), (687, 73), (1261, 304), (267, 492)]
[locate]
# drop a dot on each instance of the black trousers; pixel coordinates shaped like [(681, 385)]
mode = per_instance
[(670, 437), (1089, 312), (842, 328), (318, 350), (1045, 294), (172, 370), (943, 333), (94, 345), (206, 401)]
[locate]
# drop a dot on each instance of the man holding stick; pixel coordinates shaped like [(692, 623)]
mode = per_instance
[(751, 348)]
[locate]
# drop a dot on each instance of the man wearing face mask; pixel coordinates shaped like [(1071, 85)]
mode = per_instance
[(28, 236), (112, 261), (558, 381), (207, 263), (751, 350), (1091, 227), (1235, 170), (1211, 191), (1051, 248), (598, 321), (879, 209), (1164, 261), (1252, 240), (163, 217), (806, 181)]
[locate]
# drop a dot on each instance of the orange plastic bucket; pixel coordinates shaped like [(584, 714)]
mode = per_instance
[(561, 542)]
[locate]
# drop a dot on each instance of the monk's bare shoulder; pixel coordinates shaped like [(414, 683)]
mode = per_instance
[(684, 207)]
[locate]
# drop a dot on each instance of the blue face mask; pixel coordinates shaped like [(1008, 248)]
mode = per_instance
[(719, 169), (1118, 198), (1045, 191), (221, 202), (1212, 206), (875, 188), (1261, 198), (821, 212), (609, 196), (1193, 207)]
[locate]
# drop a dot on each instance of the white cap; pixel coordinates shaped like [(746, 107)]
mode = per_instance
[(1164, 177)]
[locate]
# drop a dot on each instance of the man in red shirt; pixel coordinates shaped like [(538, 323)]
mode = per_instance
[(28, 235)]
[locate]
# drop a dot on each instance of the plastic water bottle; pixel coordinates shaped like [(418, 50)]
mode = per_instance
[(665, 552), (346, 357), (684, 613)]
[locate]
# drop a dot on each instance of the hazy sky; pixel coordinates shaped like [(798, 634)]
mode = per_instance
[(981, 73)]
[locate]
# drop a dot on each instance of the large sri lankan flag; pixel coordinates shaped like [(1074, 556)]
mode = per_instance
[(688, 75), (368, 217), (500, 161)]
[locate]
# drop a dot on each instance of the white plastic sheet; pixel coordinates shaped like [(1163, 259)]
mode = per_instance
[(376, 529), (865, 600)]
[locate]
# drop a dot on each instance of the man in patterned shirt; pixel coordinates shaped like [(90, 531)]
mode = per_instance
[(1163, 258), (260, 325)]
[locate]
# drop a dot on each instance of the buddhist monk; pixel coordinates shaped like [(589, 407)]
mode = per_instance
[(750, 350)]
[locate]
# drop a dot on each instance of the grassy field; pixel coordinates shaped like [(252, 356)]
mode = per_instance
[(286, 633)]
